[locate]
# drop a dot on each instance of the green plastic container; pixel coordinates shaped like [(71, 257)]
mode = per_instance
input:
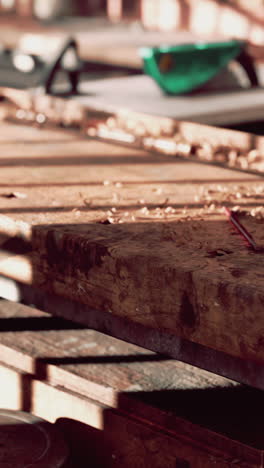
[(183, 68)]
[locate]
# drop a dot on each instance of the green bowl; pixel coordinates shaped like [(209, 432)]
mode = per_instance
[(183, 68)]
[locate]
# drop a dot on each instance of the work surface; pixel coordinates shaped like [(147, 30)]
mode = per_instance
[(223, 106), (134, 235)]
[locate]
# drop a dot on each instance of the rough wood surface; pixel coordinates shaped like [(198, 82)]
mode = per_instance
[(146, 410), (174, 263)]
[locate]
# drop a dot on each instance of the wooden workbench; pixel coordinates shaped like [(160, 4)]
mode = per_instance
[(125, 235)]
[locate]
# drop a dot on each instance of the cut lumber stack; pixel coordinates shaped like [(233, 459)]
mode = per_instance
[(120, 405)]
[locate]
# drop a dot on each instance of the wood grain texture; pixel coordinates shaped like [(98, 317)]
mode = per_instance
[(140, 408), (174, 263)]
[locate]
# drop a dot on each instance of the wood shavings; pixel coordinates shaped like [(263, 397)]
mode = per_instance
[(112, 212), (144, 210), (243, 163), (158, 190), (211, 207), (85, 201), (183, 149), (253, 156), (56, 203), (92, 132), (169, 209), (232, 157), (20, 195), (257, 212), (104, 221), (165, 202), (76, 211), (115, 197)]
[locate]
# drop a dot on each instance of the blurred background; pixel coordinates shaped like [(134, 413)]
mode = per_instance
[(109, 34), (204, 16), (153, 14)]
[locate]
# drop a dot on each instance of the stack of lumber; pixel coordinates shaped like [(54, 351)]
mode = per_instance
[(119, 405)]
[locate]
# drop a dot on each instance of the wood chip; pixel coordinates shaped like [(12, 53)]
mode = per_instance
[(14, 195)]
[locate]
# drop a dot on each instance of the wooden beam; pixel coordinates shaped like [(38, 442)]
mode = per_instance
[(172, 264)]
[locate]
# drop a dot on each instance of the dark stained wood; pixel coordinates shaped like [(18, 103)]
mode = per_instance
[(120, 405), (173, 264)]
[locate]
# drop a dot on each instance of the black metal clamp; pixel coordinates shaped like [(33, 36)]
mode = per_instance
[(27, 71)]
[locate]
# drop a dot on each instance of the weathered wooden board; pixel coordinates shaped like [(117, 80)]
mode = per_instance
[(123, 404), (168, 259)]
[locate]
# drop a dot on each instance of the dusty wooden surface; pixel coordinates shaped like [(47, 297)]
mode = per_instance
[(168, 259), (140, 408)]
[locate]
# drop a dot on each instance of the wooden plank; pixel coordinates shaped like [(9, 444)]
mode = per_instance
[(166, 266), (146, 409), (120, 439)]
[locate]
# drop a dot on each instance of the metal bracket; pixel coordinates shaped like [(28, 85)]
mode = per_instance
[(65, 60), (23, 70)]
